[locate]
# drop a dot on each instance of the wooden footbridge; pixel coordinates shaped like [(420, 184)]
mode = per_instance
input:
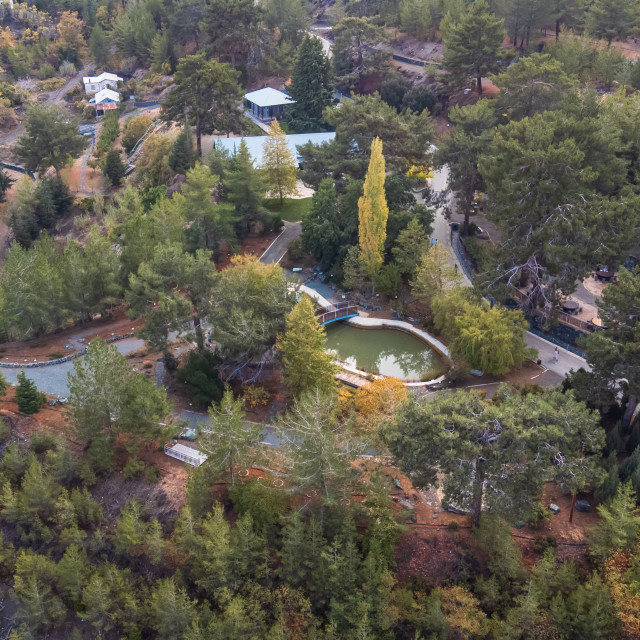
[(338, 311)]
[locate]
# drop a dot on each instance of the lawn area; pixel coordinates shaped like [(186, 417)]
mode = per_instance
[(291, 210)]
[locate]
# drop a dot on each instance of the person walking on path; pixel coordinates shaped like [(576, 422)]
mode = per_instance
[(556, 354)]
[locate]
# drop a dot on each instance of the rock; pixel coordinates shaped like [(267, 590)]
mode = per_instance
[(435, 515), (554, 508), (583, 506)]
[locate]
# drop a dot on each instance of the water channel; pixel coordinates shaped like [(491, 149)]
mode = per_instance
[(388, 352)]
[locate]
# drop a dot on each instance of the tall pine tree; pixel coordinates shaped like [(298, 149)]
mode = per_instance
[(183, 156), (307, 364), (472, 43), (373, 213), (245, 188), (311, 86)]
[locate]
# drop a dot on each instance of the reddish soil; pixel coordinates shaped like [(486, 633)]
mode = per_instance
[(40, 348), (251, 245), (22, 425)]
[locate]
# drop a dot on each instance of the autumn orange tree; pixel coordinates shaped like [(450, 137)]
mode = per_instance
[(373, 213)]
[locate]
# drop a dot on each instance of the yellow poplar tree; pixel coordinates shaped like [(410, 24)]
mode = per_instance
[(373, 213), (279, 164)]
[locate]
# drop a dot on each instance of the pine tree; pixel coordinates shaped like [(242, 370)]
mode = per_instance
[(183, 156), (114, 168), (28, 397), (279, 164), (3, 386), (245, 187), (410, 246), (5, 184), (311, 86), (373, 213), (307, 364), (228, 440), (472, 43)]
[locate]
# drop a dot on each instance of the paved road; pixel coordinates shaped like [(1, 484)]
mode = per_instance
[(441, 231), (276, 250), (53, 380)]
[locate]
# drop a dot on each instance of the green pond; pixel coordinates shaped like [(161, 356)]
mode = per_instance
[(385, 351)]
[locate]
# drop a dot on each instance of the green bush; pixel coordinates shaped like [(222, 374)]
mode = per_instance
[(42, 441), (538, 516), (152, 474), (453, 526), (110, 131), (5, 430), (295, 251), (133, 468), (265, 505), (45, 71), (200, 374)]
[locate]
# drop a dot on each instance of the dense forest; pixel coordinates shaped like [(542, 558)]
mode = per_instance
[(320, 511)]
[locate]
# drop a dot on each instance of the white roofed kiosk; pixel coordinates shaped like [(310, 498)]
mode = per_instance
[(267, 104)]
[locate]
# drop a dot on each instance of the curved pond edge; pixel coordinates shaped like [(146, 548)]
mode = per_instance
[(399, 325), (384, 323)]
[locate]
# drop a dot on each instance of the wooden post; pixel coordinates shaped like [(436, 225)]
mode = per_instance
[(573, 501)]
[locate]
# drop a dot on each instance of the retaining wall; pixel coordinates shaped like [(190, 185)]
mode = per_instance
[(49, 363)]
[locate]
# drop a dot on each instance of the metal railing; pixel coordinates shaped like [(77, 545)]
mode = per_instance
[(338, 314)]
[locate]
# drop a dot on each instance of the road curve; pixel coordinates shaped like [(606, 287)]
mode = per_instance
[(276, 250)]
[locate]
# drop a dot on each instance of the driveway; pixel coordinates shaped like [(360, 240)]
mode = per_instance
[(276, 250)]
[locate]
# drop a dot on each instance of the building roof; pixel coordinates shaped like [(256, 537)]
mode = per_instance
[(255, 144), (268, 97), (107, 95), (103, 76)]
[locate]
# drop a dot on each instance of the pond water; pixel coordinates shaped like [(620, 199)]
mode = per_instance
[(385, 351)]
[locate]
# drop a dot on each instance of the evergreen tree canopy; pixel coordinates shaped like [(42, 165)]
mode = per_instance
[(207, 93), (307, 364), (51, 138), (311, 86), (474, 443), (28, 398), (472, 43)]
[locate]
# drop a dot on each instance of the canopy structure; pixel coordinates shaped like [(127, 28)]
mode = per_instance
[(267, 104)]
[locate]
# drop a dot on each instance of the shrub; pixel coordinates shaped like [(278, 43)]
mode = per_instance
[(538, 516), (55, 355), (147, 364), (51, 84), (453, 526), (134, 129), (256, 396), (152, 474), (201, 376), (42, 441), (67, 68), (542, 543), (45, 71), (296, 252), (5, 430), (110, 131), (263, 504), (133, 468)]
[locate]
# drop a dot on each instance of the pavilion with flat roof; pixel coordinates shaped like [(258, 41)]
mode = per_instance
[(267, 104), (255, 144)]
